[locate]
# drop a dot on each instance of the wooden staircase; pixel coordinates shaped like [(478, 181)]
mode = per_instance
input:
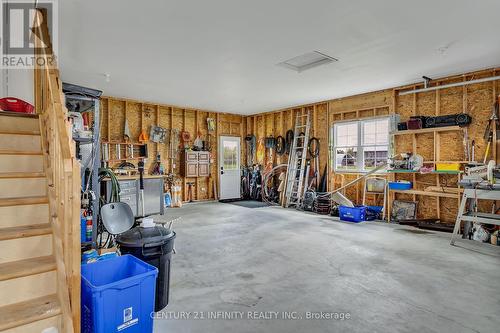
[(28, 282), (40, 208)]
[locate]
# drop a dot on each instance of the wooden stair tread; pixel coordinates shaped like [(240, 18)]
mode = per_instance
[(23, 201), (20, 152), (23, 313), (4, 175), (18, 114), (32, 266), (25, 231), (9, 132)]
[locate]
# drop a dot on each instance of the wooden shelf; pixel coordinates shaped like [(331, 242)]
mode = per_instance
[(123, 143), (426, 173), (435, 162), (428, 193), (125, 159), (428, 130)]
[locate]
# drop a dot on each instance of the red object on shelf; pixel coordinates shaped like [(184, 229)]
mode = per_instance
[(16, 105)]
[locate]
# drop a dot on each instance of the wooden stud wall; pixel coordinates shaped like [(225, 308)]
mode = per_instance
[(141, 115), (476, 100), (279, 122)]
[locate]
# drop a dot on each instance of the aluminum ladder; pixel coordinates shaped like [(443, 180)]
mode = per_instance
[(297, 161)]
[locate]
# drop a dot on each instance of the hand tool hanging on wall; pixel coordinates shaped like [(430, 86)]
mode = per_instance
[(314, 153), (322, 185), (492, 127), (466, 145), (143, 137), (140, 167), (126, 132), (270, 144), (157, 134), (488, 147), (473, 151), (186, 138), (174, 146), (288, 141), (211, 125), (198, 143), (157, 167), (493, 122), (250, 142), (261, 151)]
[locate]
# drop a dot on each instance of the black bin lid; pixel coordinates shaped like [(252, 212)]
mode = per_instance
[(138, 236)]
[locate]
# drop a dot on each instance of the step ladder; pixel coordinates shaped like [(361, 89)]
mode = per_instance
[(297, 161)]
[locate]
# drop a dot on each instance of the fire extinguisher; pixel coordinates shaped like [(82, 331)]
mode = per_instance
[(88, 227)]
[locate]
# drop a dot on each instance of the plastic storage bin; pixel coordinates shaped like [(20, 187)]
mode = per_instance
[(447, 166), (374, 212), (375, 185), (118, 295), (14, 104), (359, 213), (400, 186)]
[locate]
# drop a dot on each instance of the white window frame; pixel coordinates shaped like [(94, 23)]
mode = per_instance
[(360, 156)]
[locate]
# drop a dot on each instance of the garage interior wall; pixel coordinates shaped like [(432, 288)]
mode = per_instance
[(476, 100), (141, 115)]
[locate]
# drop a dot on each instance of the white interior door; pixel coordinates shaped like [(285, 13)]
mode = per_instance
[(229, 167)]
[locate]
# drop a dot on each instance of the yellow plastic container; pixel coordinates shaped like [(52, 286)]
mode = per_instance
[(447, 166)]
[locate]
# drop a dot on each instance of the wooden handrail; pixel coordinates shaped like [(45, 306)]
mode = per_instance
[(63, 176)]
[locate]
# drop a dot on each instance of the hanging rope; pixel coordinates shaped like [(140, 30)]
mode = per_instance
[(266, 183), (313, 147)]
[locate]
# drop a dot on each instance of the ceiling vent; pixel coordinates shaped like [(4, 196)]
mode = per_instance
[(307, 61)]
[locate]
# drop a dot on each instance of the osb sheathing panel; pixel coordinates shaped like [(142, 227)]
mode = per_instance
[(142, 115), (321, 132), (426, 104), (116, 113), (474, 99), (358, 102), (425, 146)]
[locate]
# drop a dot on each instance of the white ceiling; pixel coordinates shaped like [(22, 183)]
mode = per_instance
[(221, 55)]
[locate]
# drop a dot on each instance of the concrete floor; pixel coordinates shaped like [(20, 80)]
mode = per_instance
[(259, 265)]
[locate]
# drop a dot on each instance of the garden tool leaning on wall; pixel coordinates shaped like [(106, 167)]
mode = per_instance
[(493, 127)]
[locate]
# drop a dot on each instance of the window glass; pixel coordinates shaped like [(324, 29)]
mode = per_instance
[(230, 155), (376, 132), (347, 134), (346, 158), (374, 156)]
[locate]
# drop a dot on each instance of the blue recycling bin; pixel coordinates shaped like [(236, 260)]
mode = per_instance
[(118, 295)]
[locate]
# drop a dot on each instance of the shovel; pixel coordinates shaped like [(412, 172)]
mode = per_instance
[(140, 167)]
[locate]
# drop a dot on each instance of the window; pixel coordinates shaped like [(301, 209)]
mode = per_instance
[(230, 155), (360, 145)]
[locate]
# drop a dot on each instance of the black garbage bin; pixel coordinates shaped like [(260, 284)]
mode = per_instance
[(153, 245)]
